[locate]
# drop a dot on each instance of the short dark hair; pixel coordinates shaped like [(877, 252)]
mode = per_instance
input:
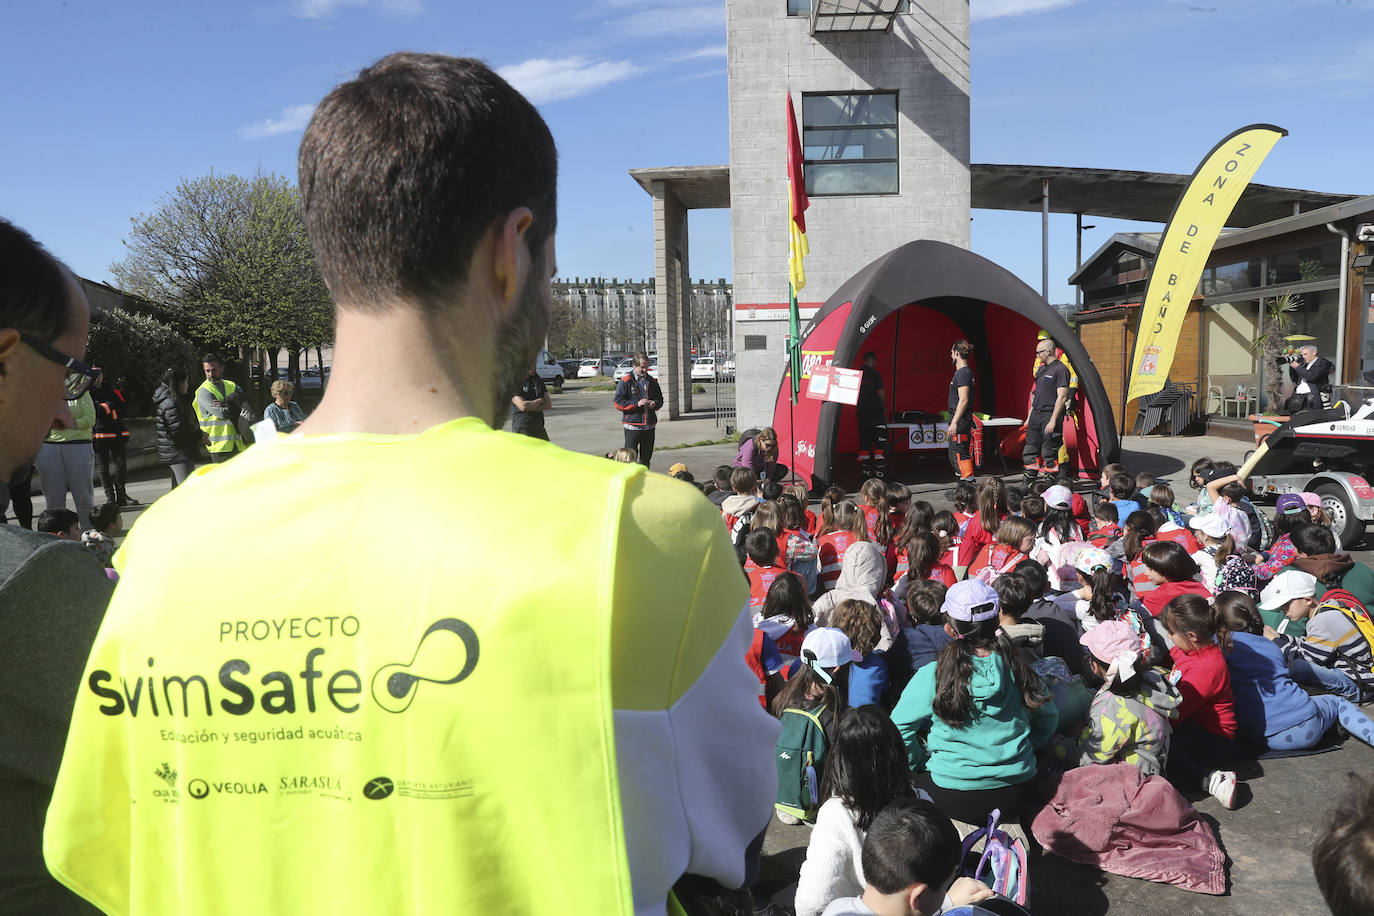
[(1013, 595), (404, 170), (104, 515), (1105, 512), (910, 842), (1170, 560), (56, 521), (1122, 485), (743, 480), (34, 292), (925, 602), (761, 546), (962, 347), (1313, 540), (212, 357), (1036, 578), (1343, 855), (771, 490), (722, 476)]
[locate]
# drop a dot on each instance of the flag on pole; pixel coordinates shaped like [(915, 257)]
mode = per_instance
[(797, 248)]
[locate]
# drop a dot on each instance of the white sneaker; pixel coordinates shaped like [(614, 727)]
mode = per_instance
[(1221, 785)]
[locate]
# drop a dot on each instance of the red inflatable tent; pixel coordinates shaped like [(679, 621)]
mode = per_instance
[(908, 307)]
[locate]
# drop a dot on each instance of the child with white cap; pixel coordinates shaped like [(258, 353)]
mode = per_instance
[(986, 710), (1334, 653), (1129, 718), (1287, 600), (1220, 563)]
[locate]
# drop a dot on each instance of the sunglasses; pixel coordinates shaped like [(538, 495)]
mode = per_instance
[(79, 375)]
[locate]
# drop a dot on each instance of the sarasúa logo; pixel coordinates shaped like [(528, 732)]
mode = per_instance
[(445, 654)]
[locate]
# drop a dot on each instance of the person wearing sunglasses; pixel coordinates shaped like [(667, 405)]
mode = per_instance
[(53, 592)]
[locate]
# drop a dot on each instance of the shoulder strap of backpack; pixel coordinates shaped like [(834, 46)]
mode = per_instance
[(810, 715)]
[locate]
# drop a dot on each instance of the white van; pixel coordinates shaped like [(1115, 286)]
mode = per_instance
[(548, 369)]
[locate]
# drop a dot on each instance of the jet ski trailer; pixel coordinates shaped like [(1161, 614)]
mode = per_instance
[(1324, 452)]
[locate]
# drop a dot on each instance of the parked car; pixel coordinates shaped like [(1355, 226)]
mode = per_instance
[(548, 369), (704, 369), (569, 367), (312, 378), (594, 368)]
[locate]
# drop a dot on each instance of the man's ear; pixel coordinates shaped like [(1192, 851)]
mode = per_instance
[(511, 257), (9, 343)]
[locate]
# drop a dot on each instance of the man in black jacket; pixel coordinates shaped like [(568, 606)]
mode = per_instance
[(638, 398), (1312, 375), (110, 438), (53, 592)]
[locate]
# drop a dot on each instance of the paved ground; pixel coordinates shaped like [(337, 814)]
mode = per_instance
[(1268, 840)]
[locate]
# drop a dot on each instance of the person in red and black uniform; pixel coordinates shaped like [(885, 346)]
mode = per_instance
[(638, 398), (110, 438), (1045, 425), (961, 410), (872, 416)]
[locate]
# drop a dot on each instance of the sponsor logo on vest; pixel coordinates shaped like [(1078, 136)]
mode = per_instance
[(378, 788), (197, 788), (446, 654), (168, 776), (200, 788)]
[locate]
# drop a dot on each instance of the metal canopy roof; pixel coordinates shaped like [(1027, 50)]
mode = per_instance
[(852, 15), (1123, 194), (1147, 196)]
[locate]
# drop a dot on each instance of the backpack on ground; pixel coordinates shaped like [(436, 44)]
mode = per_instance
[(801, 762), (1002, 866)]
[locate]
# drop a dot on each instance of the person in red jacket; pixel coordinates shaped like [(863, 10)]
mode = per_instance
[(761, 546), (1173, 573), (1207, 717)]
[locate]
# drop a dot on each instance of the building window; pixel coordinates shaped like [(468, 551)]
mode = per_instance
[(849, 143), (799, 7), (755, 342)]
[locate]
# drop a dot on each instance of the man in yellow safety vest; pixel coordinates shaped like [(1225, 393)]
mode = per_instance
[(396, 721), (217, 408)]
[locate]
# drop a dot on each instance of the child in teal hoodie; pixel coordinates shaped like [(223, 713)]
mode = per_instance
[(986, 710)]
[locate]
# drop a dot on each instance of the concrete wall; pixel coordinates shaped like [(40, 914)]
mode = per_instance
[(925, 58)]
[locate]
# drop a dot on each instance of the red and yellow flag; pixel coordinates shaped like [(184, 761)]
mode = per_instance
[(797, 249)]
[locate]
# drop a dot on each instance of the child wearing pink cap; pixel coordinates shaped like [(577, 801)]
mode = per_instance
[(1129, 718)]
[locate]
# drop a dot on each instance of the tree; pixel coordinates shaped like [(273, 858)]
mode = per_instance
[(1276, 323), (584, 338), (560, 328), (230, 259), (135, 350)]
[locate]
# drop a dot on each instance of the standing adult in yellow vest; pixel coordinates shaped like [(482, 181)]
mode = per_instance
[(217, 408), (410, 725)]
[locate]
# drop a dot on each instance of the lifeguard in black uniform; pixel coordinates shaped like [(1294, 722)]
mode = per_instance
[(1045, 425), (872, 415), (961, 410)]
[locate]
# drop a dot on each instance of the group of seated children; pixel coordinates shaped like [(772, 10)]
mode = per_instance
[(106, 525), (954, 655)]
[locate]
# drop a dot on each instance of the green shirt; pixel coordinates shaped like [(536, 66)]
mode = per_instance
[(83, 412)]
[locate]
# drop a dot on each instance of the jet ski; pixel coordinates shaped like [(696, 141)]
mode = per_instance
[(1330, 439)]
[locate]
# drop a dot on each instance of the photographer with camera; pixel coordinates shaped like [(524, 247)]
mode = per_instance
[(1311, 373)]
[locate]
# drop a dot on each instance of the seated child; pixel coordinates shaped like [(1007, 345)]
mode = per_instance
[(986, 711), (1015, 496), (865, 770), (945, 526), (1343, 854), (863, 624), (1333, 653), (1123, 496), (1286, 602), (812, 694), (845, 526), (1271, 709), (965, 500), (1172, 572), (926, 636), (1129, 717), (761, 546), (1206, 719), (723, 490), (786, 616), (871, 496), (1289, 513), (910, 855), (105, 527), (1015, 538), (1061, 625), (1162, 495), (767, 664), (920, 560), (1144, 483), (799, 493), (1014, 598), (62, 523), (1222, 568), (1166, 529), (1105, 529)]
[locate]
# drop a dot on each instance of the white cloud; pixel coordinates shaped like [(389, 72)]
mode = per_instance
[(292, 119), (543, 79), (322, 9), (997, 9), (676, 20), (708, 51)]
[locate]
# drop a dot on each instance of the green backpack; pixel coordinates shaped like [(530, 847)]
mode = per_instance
[(801, 762)]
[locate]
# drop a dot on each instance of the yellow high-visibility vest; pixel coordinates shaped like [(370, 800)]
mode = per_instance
[(384, 722), (224, 434)]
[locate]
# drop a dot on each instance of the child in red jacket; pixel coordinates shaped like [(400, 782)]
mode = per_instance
[(1207, 718)]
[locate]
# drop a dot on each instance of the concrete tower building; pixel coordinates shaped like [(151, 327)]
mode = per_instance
[(881, 91)]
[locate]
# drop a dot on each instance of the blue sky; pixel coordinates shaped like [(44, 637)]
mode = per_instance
[(107, 105)]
